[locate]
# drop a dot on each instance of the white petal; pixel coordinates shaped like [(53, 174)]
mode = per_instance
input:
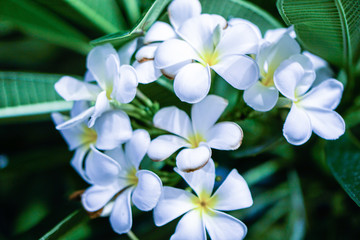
[(191, 159), (204, 114), (190, 226), (146, 72), (148, 190), (173, 203), (235, 21), (308, 78), (100, 168), (77, 162), (89, 77), (125, 52), (78, 107), (72, 89), (223, 226), (125, 86), (137, 146), (241, 72), (233, 193), (326, 95), (79, 119), (163, 146), (260, 97), (159, 31), (95, 197), (121, 217), (225, 136), (297, 128), (113, 128), (181, 10), (326, 123), (102, 105), (173, 120), (147, 52), (201, 180), (172, 71), (192, 83), (118, 155)]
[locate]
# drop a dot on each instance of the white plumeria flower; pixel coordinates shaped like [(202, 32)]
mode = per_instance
[(322, 68), (114, 82), (110, 130), (205, 46), (263, 95), (196, 137), (117, 181), (203, 210), (179, 11), (312, 108)]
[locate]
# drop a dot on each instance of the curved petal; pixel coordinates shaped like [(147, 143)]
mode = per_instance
[(235, 21), (146, 71), (78, 119), (119, 156), (308, 77), (121, 217), (191, 159), (239, 71), (125, 52), (96, 197), (181, 10), (173, 120), (172, 71), (261, 98), (326, 123), (297, 128), (148, 190), (233, 193), (204, 114), (78, 107), (113, 128), (125, 86), (77, 162), (202, 180), (273, 35), (88, 77), (190, 226), (192, 83), (102, 105), (159, 31), (137, 146), (147, 52), (223, 226), (173, 202), (225, 136), (164, 146), (72, 89)]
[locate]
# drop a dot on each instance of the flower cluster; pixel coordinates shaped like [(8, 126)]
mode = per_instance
[(189, 51)]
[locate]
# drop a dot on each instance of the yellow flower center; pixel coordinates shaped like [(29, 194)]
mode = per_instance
[(204, 202), (89, 136), (132, 178), (210, 58), (195, 140)]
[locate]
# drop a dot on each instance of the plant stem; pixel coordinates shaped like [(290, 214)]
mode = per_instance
[(132, 236)]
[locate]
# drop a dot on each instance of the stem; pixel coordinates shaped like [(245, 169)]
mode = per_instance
[(144, 98), (132, 236)]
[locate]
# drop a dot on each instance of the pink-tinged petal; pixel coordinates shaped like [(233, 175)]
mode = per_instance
[(235, 21), (125, 86), (148, 190), (121, 217), (191, 159), (137, 146), (102, 105), (205, 113), (159, 31), (326, 123), (173, 120), (225, 136), (182, 10), (308, 77), (173, 202), (163, 146), (297, 128), (220, 225), (96, 197), (239, 71), (72, 89), (125, 52), (113, 128), (147, 52), (260, 97), (77, 162), (78, 119), (146, 71), (192, 83), (233, 193), (202, 180), (190, 226), (172, 52), (100, 168), (326, 95)]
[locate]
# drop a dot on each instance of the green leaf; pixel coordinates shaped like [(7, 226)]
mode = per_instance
[(149, 18), (343, 158), (24, 94), (328, 28), (105, 15), (35, 20)]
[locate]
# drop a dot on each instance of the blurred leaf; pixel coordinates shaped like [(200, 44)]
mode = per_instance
[(321, 25), (33, 213), (149, 18), (251, 151), (24, 94), (262, 171), (38, 21), (105, 15), (343, 158), (132, 10)]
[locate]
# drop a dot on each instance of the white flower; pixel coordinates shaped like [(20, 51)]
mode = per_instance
[(117, 181), (196, 137), (115, 82), (110, 130), (312, 108), (202, 212), (205, 46)]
